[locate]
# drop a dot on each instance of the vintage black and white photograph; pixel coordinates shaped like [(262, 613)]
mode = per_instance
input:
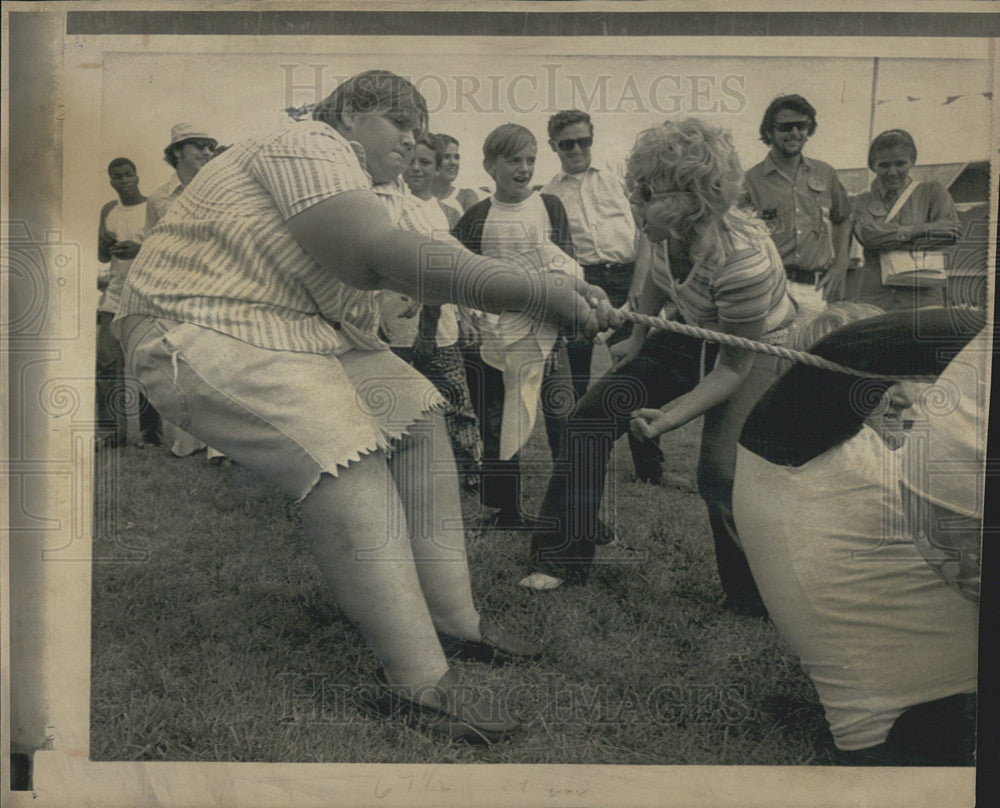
[(553, 403)]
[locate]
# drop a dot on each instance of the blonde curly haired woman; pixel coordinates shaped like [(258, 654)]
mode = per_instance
[(714, 265)]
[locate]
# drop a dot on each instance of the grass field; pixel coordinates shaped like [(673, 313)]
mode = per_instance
[(213, 638)]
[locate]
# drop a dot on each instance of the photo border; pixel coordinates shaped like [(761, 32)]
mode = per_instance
[(50, 600)]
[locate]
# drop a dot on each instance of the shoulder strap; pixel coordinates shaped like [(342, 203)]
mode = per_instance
[(901, 201)]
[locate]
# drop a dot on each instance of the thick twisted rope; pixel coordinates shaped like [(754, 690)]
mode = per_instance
[(758, 347)]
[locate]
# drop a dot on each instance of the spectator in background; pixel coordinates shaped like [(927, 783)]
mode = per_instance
[(118, 237), (899, 213), (188, 151), (455, 200), (511, 223), (427, 336), (605, 239), (600, 220), (803, 203)]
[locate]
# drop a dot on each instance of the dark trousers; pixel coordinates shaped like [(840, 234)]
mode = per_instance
[(500, 484), (646, 454), (934, 733), (669, 366), (112, 393), (616, 284)]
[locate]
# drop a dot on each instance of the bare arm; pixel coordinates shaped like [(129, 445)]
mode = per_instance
[(725, 378), (832, 282), (352, 236), (650, 300)]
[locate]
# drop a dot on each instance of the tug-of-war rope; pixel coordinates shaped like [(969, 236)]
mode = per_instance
[(759, 347)]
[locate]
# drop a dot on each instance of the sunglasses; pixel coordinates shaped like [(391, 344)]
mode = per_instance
[(567, 145), (802, 126), (642, 193)]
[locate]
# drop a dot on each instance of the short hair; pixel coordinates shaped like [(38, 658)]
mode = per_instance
[(507, 140), (796, 103), (430, 141), (806, 332), (371, 91), (567, 117), (442, 141), (891, 139), (121, 161)]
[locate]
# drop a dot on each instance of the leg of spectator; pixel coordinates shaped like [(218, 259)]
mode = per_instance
[(108, 380), (463, 426), (557, 400), (573, 498), (498, 488)]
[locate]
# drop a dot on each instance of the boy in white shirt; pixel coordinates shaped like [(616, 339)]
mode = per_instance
[(508, 224)]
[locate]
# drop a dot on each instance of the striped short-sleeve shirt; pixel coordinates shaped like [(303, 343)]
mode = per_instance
[(748, 286), (224, 258)]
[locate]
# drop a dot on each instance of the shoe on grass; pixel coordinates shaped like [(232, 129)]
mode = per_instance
[(495, 646), (746, 604), (540, 582), (455, 711)]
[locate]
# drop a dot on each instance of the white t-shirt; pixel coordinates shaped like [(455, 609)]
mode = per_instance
[(944, 464), (127, 223), (945, 453), (512, 228)]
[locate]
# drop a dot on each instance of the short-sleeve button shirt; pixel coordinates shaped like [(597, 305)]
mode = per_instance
[(224, 258), (799, 210)]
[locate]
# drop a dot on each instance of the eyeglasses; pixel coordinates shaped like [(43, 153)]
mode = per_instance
[(788, 126), (567, 145), (201, 144), (642, 193)]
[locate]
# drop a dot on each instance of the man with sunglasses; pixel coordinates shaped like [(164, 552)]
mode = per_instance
[(600, 218), (803, 203), (189, 149), (604, 238)]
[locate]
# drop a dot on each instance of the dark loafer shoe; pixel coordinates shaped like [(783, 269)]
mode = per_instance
[(496, 646), (456, 711)]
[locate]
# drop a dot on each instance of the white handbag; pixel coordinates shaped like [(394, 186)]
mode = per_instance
[(911, 267)]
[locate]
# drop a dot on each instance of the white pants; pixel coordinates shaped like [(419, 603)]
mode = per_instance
[(808, 297)]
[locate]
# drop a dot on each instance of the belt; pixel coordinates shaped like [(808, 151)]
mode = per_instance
[(610, 266), (799, 275)]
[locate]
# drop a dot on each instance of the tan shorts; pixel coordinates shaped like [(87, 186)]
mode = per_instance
[(290, 416)]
